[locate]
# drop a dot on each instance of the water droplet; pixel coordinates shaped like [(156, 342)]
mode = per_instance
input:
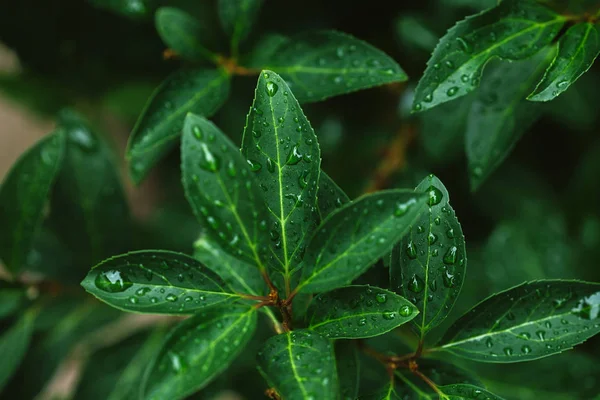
[(133, 300), (197, 132), (508, 351), (562, 84), (435, 195), (402, 208), (541, 335), (416, 284), (411, 250), (389, 315), (209, 161), (449, 64), (448, 278), (112, 281), (142, 291), (450, 233), (524, 335), (489, 343), (464, 45), (450, 256), (381, 298), (437, 220), (405, 311), (255, 166), (272, 88), (362, 322), (526, 349), (431, 238), (294, 156), (153, 300), (464, 78), (428, 98), (171, 297), (452, 91)]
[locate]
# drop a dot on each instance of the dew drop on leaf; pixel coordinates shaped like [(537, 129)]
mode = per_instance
[(389, 315), (405, 311), (450, 256), (294, 156), (381, 298), (171, 298), (272, 88), (411, 250), (435, 195), (112, 281), (209, 161), (416, 284), (255, 166)]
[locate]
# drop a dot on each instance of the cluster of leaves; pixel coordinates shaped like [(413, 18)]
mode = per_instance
[(350, 291)]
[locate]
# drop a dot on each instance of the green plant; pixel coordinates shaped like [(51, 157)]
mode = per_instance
[(266, 266)]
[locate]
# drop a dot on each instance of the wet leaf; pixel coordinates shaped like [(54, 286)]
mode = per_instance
[(299, 365), (355, 312), (23, 195), (466, 392), (530, 321), (224, 195), (197, 351), (330, 196), (354, 237), (514, 30), (577, 50), (348, 368), (155, 281), (200, 91), (429, 264)]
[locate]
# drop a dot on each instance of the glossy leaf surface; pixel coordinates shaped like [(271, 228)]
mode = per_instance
[(354, 237), (299, 365), (577, 50), (530, 321), (355, 312), (23, 195), (330, 196), (224, 195), (282, 150), (197, 351), (429, 264), (154, 281), (322, 64), (514, 30), (200, 91)]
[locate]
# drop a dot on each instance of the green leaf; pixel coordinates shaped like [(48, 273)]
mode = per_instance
[(197, 351), (240, 276), (155, 281), (330, 196), (89, 211), (577, 50), (322, 64), (500, 114), (387, 393), (299, 365), (182, 33), (128, 384), (136, 9), (11, 298), (465, 392), (237, 18), (355, 312), (353, 238), (527, 322), (514, 30), (23, 195), (282, 149), (348, 368), (13, 345), (264, 50), (429, 264), (224, 195), (201, 91)]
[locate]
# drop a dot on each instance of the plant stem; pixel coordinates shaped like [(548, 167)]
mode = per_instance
[(276, 324)]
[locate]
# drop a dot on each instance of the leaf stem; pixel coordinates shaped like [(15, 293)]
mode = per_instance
[(231, 66), (430, 383), (276, 324)]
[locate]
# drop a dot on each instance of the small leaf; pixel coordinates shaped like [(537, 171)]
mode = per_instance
[(299, 365), (23, 195), (88, 197), (463, 391), (154, 281), (197, 351), (429, 264), (237, 18), (577, 50), (222, 191), (330, 196), (355, 312), (322, 64), (514, 30), (201, 91), (182, 33), (239, 275), (13, 345), (530, 321), (348, 368), (500, 114), (282, 150), (354, 237)]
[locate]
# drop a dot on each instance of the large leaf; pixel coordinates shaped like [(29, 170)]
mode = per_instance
[(461, 391), (155, 281), (89, 211), (514, 30), (330, 196), (13, 345), (577, 50), (237, 18), (197, 351), (282, 149), (224, 195), (23, 195), (299, 365), (182, 33), (500, 114), (355, 312), (239, 275), (348, 368), (530, 321), (351, 239), (201, 91), (429, 264), (321, 64)]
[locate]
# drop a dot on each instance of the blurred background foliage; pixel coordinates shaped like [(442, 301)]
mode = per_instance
[(537, 216)]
